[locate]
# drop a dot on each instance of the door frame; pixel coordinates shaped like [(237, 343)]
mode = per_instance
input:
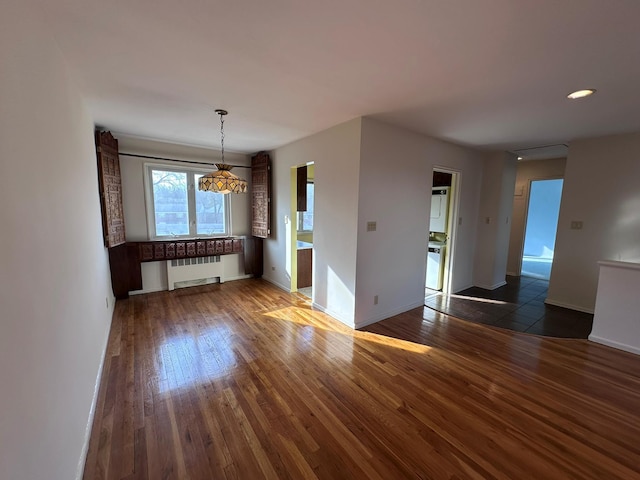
[(526, 215), (452, 224), (292, 231)]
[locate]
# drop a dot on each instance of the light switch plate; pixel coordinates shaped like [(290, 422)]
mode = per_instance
[(371, 226)]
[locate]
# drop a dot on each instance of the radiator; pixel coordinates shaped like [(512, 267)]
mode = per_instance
[(187, 272)]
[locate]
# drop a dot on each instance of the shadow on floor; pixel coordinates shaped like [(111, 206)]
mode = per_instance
[(518, 305)]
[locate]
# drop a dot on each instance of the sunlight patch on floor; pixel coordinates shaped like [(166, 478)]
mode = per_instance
[(322, 321), (478, 299)]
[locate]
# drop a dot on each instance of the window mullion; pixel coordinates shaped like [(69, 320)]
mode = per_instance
[(191, 203)]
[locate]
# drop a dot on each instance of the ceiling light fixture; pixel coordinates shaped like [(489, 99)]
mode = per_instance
[(222, 180), (581, 93)]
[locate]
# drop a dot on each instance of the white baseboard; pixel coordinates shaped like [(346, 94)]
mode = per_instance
[(150, 290), (277, 284), (513, 274), (460, 289), (238, 277), (165, 289), (94, 404), (389, 314), (492, 287), (348, 322), (550, 301), (614, 344)]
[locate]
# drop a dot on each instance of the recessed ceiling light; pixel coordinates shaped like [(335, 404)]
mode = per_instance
[(581, 93), (519, 158)]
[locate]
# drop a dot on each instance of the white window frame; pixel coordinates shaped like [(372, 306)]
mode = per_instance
[(300, 218), (191, 172)]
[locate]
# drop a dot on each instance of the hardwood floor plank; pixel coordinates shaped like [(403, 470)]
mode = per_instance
[(243, 380)]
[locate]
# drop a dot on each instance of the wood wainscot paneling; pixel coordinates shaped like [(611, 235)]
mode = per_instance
[(253, 256), (125, 260), (126, 274)]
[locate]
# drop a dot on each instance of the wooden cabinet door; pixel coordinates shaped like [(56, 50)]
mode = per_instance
[(110, 189), (261, 195), (301, 187)]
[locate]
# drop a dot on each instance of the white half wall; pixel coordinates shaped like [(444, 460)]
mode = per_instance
[(154, 274), (55, 290), (616, 320), (336, 156), (396, 175), (601, 190)]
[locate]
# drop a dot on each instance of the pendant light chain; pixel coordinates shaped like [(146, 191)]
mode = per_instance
[(222, 134), (222, 180)]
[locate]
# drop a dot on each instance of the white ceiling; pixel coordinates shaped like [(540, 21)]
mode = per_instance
[(486, 73)]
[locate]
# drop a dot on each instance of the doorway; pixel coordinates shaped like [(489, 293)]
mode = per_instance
[(541, 226), (442, 230), (303, 190)]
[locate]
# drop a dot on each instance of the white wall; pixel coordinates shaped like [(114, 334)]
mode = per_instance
[(154, 274), (54, 285), (496, 204), (601, 189), (527, 171), (396, 171), (336, 156)]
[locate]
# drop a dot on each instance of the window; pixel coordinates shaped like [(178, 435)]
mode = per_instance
[(305, 219), (176, 208)]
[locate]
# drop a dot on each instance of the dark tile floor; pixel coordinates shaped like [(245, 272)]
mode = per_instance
[(518, 305)]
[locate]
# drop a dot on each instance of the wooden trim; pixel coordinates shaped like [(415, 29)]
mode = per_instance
[(153, 251)]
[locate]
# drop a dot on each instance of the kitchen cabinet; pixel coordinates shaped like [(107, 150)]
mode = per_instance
[(305, 267)]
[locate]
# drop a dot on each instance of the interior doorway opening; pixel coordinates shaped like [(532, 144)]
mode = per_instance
[(541, 226), (302, 205), (443, 223)]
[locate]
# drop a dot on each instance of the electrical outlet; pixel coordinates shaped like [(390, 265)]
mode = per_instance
[(375, 299), (371, 226), (273, 269)]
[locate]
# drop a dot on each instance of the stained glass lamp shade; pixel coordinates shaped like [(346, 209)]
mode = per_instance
[(222, 181)]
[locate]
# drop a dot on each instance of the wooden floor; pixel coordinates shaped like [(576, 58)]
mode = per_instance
[(245, 381)]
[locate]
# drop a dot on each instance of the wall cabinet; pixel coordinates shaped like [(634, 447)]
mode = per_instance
[(305, 267)]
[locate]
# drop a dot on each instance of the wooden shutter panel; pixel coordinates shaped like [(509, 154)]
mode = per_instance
[(261, 195), (110, 189)]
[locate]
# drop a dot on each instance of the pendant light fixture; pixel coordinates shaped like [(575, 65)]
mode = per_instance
[(222, 180)]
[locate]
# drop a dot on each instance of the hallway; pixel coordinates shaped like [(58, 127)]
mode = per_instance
[(518, 305)]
